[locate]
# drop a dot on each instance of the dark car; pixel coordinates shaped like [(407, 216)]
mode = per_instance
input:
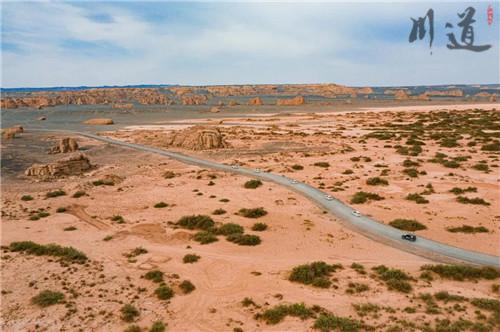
[(409, 237)]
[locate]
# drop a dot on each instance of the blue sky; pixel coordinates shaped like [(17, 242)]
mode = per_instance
[(119, 43)]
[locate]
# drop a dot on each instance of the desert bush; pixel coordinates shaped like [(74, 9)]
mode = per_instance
[(297, 167), (55, 193), (252, 184), (157, 326), (449, 143), (229, 228), (196, 222), (468, 229), (411, 172), (61, 209), (26, 198), (417, 198), (136, 252), (487, 304), (133, 328), (451, 164), (259, 227), (190, 258), (475, 201), (410, 163), (462, 272), (163, 292), (491, 147), (277, 313), (187, 286), (410, 225), (47, 298), (79, 194), (447, 297), (154, 275), (358, 268), (329, 322), (118, 219), (129, 313), (395, 279), (252, 213), (376, 181), (362, 197), (244, 239), (218, 212), (103, 182), (69, 229), (348, 171), (205, 237), (481, 167), (160, 205), (458, 191), (322, 164), (66, 253), (356, 287), (309, 273), (168, 175)]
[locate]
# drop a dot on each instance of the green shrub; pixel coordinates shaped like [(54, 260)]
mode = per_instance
[(468, 229), (449, 143), (376, 181), (252, 184), (253, 213), (330, 322), (417, 198), (297, 167), (356, 287), (229, 228), (61, 209), (458, 191), (157, 326), (410, 163), (205, 237), (395, 279), (154, 275), (133, 328), (69, 229), (411, 172), (447, 297), (55, 193), (277, 313), (348, 171), (26, 198), (362, 197), (168, 175), (476, 200), (462, 272), (163, 292), (196, 222), (244, 239), (451, 164), (187, 286), (136, 252), (322, 164), (481, 167), (79, 194), (410, 225), (129, 313), (118, 219), (66, 253), (160, 205), (491, 147), (308, 273), (259, 227), (218, 212), (47, 298), (190, 258), (487, 304), (103, 182)]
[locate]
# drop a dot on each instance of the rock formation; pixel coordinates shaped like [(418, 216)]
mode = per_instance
[(445, 93), (199, 138), (99, 121), (74, 164), (233, 103), (65, 145), (194, 100), (299, 100), (255, 101), (401, 95), (9, 133), (215, 109)]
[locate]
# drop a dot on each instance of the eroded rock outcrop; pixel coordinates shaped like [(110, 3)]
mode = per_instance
[(74, 164), (199, 138), (255, 101), (298, 100), (99, 121), (194, 100), (65, 145), (9, 133)]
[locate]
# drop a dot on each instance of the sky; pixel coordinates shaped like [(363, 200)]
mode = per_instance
[(94, 43)]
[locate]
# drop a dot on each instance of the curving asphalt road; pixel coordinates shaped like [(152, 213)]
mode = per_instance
[(362, 224)]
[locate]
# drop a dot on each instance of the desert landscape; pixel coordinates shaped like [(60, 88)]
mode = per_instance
[(104, 237)]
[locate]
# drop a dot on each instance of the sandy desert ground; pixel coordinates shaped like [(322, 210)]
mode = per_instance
[(125, 219)]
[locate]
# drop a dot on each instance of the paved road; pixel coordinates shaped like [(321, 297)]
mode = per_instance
[(362, 224)]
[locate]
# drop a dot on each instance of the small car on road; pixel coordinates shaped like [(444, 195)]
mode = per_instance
[(356, 213), (409, 237), (328, 198), (234, 166), (257, 170), (294, 182)]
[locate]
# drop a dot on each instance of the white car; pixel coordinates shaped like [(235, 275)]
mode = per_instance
[(328, 198), (356, 213), (257, 170), (234, 166), (294, 181)]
